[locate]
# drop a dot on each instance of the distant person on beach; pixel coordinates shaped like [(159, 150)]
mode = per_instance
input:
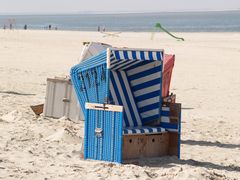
[(4, 26), (98, 29), (10, 26), (103, 29), (25, 27), (50, 27)]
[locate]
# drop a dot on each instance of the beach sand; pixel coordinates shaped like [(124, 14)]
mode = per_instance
[(206, 79)]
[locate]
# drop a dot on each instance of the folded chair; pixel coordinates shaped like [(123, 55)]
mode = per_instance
[(120, 91)]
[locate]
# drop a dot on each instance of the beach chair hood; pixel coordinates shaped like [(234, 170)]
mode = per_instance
[(131, 78)]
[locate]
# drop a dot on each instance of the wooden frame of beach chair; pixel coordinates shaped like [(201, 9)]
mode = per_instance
[(159, 144), (131, 80)]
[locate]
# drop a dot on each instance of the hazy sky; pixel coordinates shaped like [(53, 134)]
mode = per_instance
[(109, 6)]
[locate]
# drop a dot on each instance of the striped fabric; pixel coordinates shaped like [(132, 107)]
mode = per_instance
[(121, 94), (89, 79), (143, 130), (138, 54), (139, 74), (145, 83), (165, 120), (133, 79)]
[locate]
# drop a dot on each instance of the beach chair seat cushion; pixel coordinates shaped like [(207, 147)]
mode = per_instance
[(143, 130)]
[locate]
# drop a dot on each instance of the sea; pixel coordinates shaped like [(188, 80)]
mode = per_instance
[(214, 21)]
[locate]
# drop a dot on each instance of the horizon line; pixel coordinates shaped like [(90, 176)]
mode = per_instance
[(113, 12)]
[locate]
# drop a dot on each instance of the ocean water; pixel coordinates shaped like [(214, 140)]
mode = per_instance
[(225, 21)]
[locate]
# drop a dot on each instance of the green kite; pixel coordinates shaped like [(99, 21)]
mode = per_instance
[(158, 25)]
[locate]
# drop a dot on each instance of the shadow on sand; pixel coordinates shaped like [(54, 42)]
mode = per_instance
[(170, 161), (17, 93), (207, 143)]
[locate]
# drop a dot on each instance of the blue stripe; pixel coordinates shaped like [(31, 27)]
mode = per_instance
[(150, 118), (169, 125), (134, 56), (117, 55), (145, 85), (150, 129), (159, 129), (142, 55), (165, 113), (145, 73), (125, 53), (134, 131), (148, 96), (150, 55), (148, 107), (159, 56)]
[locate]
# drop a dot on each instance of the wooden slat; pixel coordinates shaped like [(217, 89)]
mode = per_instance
[(138, 146), (106, 107), (173, 143)]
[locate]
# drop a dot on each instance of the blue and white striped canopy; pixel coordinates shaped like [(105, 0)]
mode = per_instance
[(129, 77)]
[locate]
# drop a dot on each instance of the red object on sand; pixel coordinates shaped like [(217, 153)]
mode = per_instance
[(168, 64)]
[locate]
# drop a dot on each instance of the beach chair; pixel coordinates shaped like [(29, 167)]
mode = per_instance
[(120, 91)]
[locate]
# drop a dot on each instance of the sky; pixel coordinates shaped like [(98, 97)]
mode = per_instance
[(113, 6)]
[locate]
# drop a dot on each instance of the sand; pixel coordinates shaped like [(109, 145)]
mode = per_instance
[(206, 80)]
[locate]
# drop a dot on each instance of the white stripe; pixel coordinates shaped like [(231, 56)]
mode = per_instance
[(150, 113), (154, 54), (129, 54), (154, 130), (108, 58), (143, 68), (165, 108), (144, 79), (138, 55), (146, 56), (138, 131), (161, 55), (121, 55), (145, 130), (115, 98), (131, 98), (163, 130), (147, 90), (148, 102), (125, 105), (165, 119)]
